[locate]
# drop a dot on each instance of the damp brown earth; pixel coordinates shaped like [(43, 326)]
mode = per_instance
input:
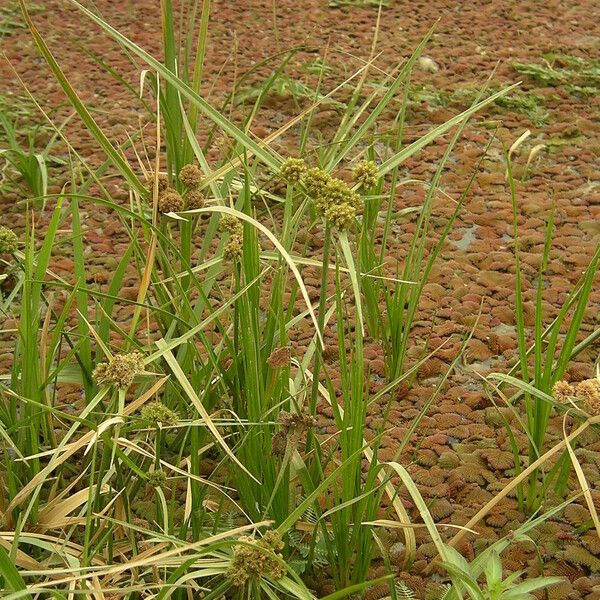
[(460, 456)]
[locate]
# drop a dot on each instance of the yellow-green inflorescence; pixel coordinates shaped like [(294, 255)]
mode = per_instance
[(8, 241), (232, 251), (366, 174), (251, 562), (159, 415), (157, 478), (315, 180), (293, 169), (333, 199), (120, 370)]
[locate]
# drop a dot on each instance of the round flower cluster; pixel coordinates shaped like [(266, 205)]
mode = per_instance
[(293, 425), (293, 169), (332, 198), (251, 562), (366, 174), (232, 251), (159, 414), (8, 240), (191, 177), (315, 180), (120, 370), (170, 201), (587, 391), (157, 478)]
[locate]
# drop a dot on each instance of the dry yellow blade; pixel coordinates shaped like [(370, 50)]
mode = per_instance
[(153, 560), (585, 488), (21, 559), (53, 515), (139, 402), (68, 451), (517, 480)]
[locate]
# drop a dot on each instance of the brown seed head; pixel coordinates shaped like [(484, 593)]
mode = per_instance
[(170, 201), (190, 176), (589, 392), (562, 390), (194, 199)]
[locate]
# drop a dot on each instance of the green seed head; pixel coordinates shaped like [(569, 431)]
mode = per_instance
[(157, 478), (120, 370), (232, 252), (9, 241), (366, 174), (336, 193), (315, 180), (250, 563), (159, 415), (292, 169), (231, 225), (190, 176), (341, 216)]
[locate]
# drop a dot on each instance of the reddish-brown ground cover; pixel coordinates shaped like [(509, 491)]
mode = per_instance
[(460, 456)]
